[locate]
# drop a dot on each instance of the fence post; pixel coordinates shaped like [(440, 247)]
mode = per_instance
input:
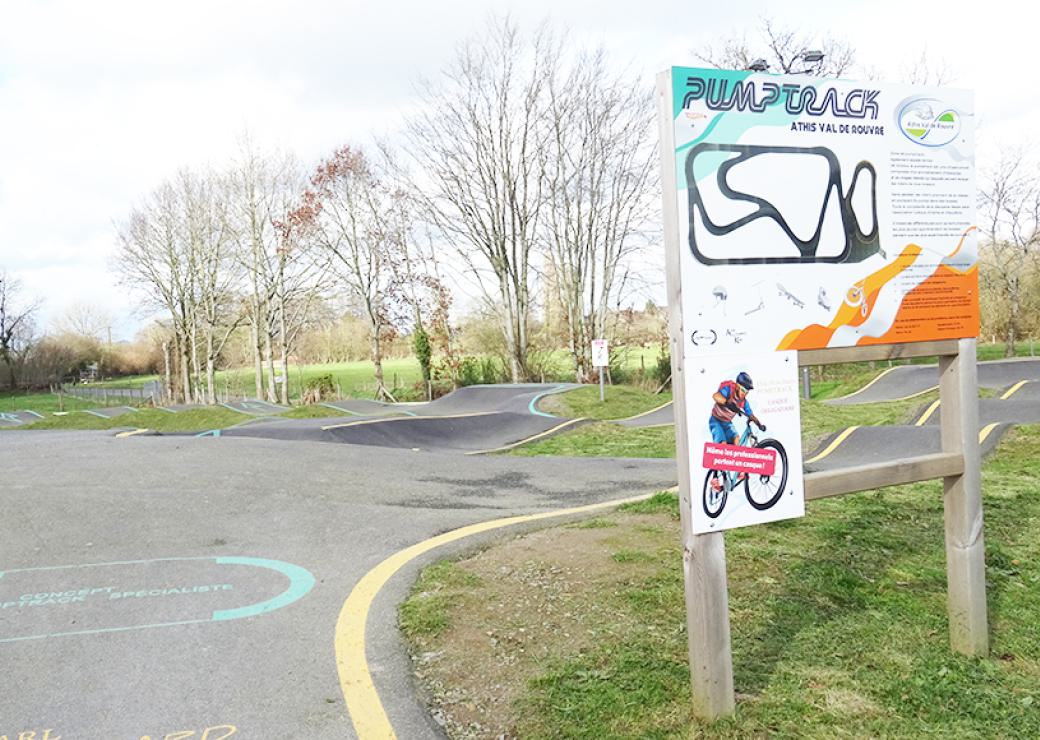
[(962, 502), (704, 555)]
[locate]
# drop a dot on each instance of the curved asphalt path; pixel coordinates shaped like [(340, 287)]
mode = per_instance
[(1018, 402), (906, 381), (477, 418), (165, 508)]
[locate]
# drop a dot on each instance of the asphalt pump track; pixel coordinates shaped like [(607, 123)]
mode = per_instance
[(477, 418)]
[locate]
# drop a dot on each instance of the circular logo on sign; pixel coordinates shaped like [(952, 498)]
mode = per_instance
[(704, 337), (928, 122)]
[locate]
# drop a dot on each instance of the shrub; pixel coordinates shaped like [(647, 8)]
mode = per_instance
[(423, 351), (470, 371), (319, 388), (661, 371)]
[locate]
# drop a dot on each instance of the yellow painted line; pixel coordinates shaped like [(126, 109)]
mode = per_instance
[(912, 395), (927, 413), (1012, 389), (363, 703), (645, 413), (879, 377), (986, 430), (833, 445), (532, 438), (362, 422), (121, 435)]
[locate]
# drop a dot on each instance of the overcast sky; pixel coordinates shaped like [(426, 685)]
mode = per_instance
[(101, 100)]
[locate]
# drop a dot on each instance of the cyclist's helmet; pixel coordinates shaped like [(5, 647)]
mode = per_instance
[(744, 380)]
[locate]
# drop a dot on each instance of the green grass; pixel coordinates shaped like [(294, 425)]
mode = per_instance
[(621, 401), (192, 420), (313, 411), (604, 439), (841, 380), (42, 403), (662, 502), (426, 612), (820, 419), (839, 625), (355, 379), (129, 381)]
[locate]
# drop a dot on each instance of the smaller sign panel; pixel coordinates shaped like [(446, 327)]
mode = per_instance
[(745, 439), (600, 353)]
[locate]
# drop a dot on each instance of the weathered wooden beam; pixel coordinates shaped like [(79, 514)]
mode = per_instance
[(834, 355), (962, 503), (704, 555), (828, 483)]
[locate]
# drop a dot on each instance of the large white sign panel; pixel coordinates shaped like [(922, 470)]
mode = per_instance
[(743, 474), (818, 213), (600, 353)]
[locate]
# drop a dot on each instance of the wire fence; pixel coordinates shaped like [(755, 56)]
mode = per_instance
[(116, 395)]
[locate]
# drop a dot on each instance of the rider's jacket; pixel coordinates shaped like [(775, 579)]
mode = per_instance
[(735, 392)]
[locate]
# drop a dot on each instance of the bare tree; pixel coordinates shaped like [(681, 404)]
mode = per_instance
[(176, 247), (1010, 204), (215, 277), (782, 48), (152, 258), (475, 147), (353, 216), (265, 190), (598, 170), (924, 71), (85, 319), (16, 326), (301, 278)]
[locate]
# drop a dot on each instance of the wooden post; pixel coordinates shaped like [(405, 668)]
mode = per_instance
[(962, 502), (704, 555)]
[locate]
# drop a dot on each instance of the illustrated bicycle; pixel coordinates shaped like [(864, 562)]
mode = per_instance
[(762, 491)]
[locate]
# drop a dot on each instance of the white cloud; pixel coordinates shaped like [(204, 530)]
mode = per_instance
[(100, 101)]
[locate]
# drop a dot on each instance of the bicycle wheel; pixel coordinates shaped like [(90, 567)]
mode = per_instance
[(714, 497), (765, 490)]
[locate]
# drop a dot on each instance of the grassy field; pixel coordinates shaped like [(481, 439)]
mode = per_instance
[(192, 420), (356, 379), (839, 624), (158, 420), (620, 402), (602, 439), (43, 403)]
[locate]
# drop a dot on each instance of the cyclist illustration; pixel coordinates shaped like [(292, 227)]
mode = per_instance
[(762, 491), (731, 399)]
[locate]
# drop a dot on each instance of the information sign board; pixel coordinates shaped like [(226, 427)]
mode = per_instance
[(815, 212)]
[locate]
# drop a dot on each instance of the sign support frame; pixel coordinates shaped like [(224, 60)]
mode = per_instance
[(704, 555), (958, 464)]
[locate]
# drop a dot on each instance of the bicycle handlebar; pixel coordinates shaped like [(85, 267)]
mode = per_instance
[(760, 425)]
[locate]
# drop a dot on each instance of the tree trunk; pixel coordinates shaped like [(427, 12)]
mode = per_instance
[(196, 367), (258, 368), (377, 361), (185, 371), (1013, 309), (167, 393), (211, 375), (269, 362), (283, 343)]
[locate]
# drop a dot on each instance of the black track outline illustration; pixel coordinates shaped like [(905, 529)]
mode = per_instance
[(858, 245)]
